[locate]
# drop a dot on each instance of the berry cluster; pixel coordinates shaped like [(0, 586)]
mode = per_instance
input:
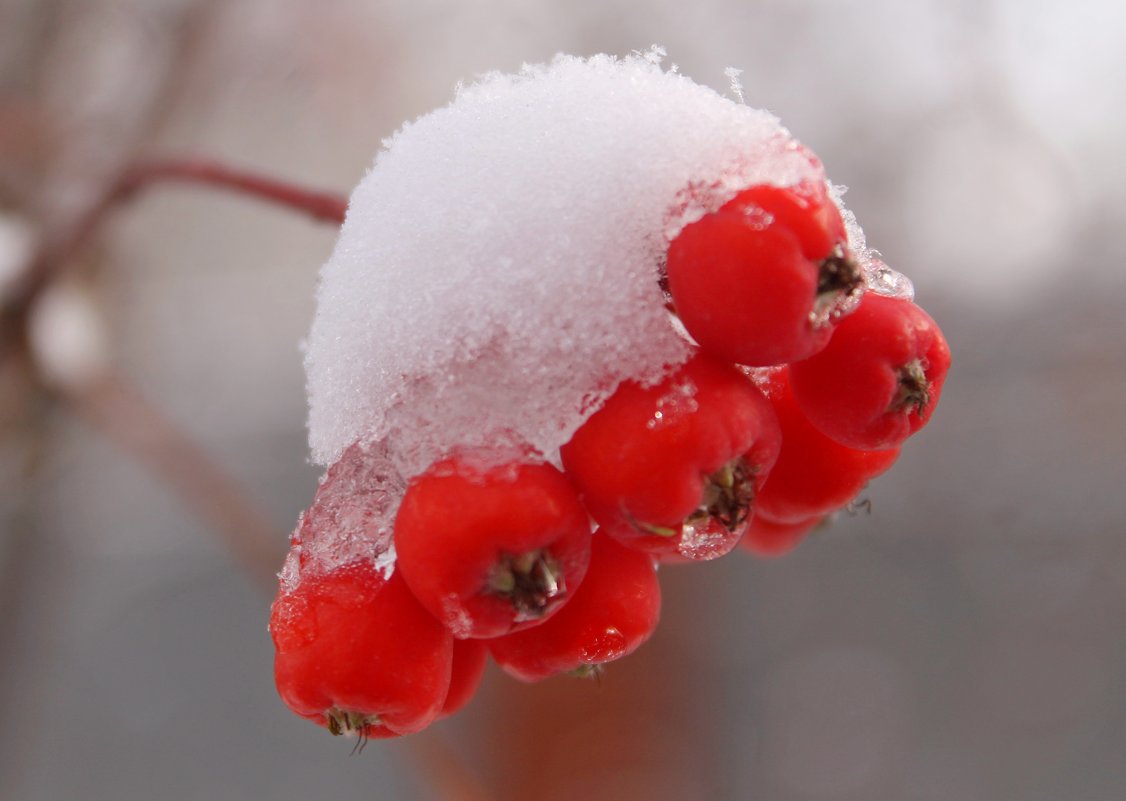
[(801, 388)]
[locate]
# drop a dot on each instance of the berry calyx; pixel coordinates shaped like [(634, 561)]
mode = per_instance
[(725, 503), (674, 468), (340, 721), (530, 582), (728, 494), (763, 280), (357, 654), (913, 390), (838, 279), (489, 549), (614, 611), (878, 380)]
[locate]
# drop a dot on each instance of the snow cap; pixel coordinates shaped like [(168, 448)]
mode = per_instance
[(497, 274)]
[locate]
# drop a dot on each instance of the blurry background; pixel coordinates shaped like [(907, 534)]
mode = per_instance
[(962, 641)]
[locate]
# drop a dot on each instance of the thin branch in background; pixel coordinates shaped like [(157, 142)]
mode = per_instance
[(127, 419), (56, 258), (324, 206), (117, 409), (121, 413)]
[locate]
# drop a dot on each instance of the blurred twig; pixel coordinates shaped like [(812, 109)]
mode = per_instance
[(324, 206), (126, 418), (57, 256), (110, 403), (121, 412), (117, 409)]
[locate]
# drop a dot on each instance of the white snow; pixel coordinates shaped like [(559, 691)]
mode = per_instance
[(496, 276)]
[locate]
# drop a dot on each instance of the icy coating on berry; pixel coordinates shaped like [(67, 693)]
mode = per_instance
[(350, 520), (497, 274)]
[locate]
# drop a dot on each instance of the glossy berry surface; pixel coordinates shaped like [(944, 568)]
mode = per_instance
[(469, 658), (763, 280), (805, 210), (491, 549), (879, 379), (766, 538), (356, 653), (814, 475), (614, 611), (674, 468)]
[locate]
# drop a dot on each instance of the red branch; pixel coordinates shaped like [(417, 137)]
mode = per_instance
[(113, 406), (60, 254), (324, 206)]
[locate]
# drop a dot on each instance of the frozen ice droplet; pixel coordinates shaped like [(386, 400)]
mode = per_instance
[(290, 574), (674, 405), (733, 74), (707, 539), (883, 280)]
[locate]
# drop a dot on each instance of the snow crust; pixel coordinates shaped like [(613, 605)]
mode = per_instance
[(350, 519), (497, 274)]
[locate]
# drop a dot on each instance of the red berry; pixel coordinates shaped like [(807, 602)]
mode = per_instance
[(814, 475), (613, 612), (767, 538), (491, 549), (468, 667), (674, 468), (762, 280), (356, 653), (805, 210), (879, 379)]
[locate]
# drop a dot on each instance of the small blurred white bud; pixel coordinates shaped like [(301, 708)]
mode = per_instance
[(67, 337)]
